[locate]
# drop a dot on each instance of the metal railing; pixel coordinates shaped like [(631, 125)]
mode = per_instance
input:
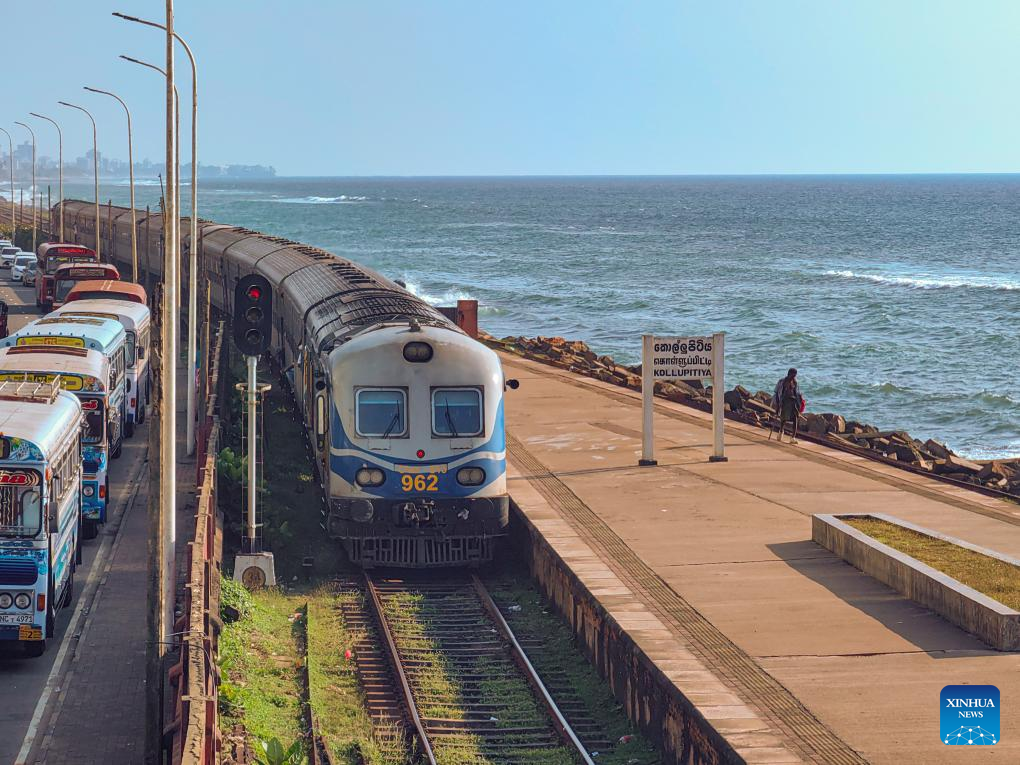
[(192, 737)]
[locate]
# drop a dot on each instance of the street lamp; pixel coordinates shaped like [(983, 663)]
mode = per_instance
[(95, 164), (193, 247), (60, 167), (176, 186), (10, 142), (35, 207), (131, 184)]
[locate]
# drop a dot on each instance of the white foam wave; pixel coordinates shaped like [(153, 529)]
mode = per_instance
[(932, 282), (342, 199), (448, 298)]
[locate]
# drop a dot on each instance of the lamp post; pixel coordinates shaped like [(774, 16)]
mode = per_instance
[(193, 239), (35, 207), (131, 184), (10, 143), (173, 182), (95, 166), (60, 167)]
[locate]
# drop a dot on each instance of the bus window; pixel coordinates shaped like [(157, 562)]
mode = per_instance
[(95, 421), (129, 349), (20, 510)]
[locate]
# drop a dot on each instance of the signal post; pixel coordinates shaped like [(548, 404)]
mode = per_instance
[(253, 331)]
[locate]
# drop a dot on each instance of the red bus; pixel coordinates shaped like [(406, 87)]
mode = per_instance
[(51, 256), (107, 289), (68, 275)]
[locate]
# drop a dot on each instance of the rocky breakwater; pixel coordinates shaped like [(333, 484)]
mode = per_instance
[(755, 409)]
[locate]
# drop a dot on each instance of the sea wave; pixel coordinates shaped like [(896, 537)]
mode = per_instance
[(340, 200), (447, 298), (931, 282)]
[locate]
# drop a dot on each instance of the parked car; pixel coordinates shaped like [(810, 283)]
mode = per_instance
[(6, 243), (22, 265), (8, 254)]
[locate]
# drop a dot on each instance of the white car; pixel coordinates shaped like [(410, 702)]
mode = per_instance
[(6, 243), (22, 264), (8, 254)]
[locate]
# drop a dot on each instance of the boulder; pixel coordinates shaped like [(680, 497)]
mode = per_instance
[(760, 408), (935, 449), (816, 424), (734, 400), (994, 471), (835, 422), (955, 464)]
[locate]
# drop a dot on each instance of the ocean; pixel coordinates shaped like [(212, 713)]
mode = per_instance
[(896, 297)]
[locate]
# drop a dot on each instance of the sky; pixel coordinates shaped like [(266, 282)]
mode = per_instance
[(461, 87)]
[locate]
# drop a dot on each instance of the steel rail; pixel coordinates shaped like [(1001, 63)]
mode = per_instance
[(531, 674), (398, 667), (319, 754)]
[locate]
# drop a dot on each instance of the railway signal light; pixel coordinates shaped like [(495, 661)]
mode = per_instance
[(253, 314)]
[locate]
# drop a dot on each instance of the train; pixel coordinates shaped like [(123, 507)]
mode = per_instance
[(403, 411)]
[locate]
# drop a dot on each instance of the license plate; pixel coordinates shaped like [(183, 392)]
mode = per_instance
[(15, 618)]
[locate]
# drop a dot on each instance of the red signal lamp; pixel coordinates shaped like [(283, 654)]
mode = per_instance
[(420, 453), (254, 292)]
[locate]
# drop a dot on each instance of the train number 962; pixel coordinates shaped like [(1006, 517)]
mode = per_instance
[(419, 482)]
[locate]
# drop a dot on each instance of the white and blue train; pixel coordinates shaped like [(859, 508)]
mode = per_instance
[(403, 410)]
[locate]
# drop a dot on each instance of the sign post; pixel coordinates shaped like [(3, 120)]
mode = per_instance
[(682, 358)]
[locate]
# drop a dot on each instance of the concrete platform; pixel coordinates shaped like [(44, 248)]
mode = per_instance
[(831, 665)]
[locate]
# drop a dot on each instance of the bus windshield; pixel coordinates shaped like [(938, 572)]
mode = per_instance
[(20, 503), (63, 287), (54, 261), (95, 420)]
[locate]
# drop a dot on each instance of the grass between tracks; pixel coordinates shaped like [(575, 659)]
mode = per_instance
[(995, 578), (336, 696), (551, 648)]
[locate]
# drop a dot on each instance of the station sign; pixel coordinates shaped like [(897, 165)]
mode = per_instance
[(682, 358)]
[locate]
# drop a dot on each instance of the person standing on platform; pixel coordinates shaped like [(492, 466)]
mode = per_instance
[(787, 402)]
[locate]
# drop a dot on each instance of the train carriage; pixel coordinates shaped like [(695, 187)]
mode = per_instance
[(327, 312)]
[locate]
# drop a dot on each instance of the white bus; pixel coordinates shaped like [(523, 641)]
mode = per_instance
[(40, 509), (136, 321)]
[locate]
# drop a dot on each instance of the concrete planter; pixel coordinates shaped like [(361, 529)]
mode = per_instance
[(991, 621)]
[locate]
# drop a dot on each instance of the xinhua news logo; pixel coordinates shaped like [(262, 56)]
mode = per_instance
[(970, 715)]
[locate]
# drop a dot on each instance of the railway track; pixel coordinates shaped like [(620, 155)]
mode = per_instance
[(441, 668)]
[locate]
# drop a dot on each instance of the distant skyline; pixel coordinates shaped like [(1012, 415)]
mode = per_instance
[(452, 87)]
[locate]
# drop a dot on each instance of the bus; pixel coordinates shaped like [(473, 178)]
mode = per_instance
[(104, 335), (108, 289), (85, 374), (40, 511), (135, 318), (49, 257), (69, 274)]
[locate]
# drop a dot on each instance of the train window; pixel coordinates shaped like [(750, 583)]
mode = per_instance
[(381, 412), (457, 412)]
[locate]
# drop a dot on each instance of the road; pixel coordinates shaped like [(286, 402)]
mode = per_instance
[(23, 682)]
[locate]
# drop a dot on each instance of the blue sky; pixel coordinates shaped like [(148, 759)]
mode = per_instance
[(406, 87)]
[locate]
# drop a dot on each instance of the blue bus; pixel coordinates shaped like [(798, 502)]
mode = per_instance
[(40, 510)]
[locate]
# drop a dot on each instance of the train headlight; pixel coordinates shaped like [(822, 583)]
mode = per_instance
[(362, 510), (417, 352), (88, 490), (5, 600), (370, 477), (470, 476), (23, 600)]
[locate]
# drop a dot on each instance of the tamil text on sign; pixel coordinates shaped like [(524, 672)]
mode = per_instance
[(682, 358)]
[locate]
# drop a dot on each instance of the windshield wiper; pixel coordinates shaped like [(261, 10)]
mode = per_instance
[(392, 425), (449, 421)]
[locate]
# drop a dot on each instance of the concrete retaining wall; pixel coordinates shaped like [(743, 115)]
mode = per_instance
[(965, 607), (650, 699)]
